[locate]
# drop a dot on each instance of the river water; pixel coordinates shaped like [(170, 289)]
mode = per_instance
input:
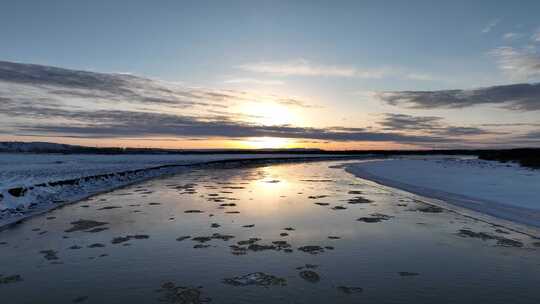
[(140, 245)]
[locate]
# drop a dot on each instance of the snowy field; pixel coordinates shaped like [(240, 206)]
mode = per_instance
[(34, 183), (506, 191), (24, 169)]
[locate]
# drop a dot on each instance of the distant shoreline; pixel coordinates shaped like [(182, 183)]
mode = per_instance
[(527, 157)]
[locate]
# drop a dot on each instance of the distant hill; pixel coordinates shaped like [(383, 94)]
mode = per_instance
[(47, 147), (528, 157), (36, 147)]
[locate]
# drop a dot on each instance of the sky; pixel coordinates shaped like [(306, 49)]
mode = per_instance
[(271, 74)]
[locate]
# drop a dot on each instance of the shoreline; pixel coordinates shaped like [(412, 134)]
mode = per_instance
[(515, 218)]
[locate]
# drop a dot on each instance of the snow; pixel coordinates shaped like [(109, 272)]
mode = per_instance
[(35, 183), (506, 191), (22, 169)]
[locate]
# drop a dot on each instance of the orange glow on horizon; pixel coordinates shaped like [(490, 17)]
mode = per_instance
[(267, 143), (214, 143)]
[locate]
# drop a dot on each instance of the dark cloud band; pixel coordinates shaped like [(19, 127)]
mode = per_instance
[(520, 97)]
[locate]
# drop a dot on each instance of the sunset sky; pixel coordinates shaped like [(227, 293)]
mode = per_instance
[(271, 74)]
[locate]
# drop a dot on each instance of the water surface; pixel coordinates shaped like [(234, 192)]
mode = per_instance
[(410, 256)]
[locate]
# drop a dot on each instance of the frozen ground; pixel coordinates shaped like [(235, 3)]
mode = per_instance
[(506, 191), (34, 183)]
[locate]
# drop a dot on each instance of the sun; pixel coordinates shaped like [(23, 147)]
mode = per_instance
[(269, 113), (267, 143)]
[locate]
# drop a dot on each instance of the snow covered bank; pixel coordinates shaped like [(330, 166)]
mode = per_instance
[(506, 191), (26, 169), (34, 183)]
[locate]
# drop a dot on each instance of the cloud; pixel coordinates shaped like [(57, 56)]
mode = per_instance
[(518, 64), (47, 101), (38, 100), (420, 76), (519, 97), (296, 103), (536, 36), (407, 122), (299, 67), (65, 87), (254, 81), (512, 36), (490, 26), (111, 124), (302, 67), (534, 135), (432, 125), (512, 124)]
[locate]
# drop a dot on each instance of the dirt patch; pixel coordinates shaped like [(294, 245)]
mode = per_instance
[(317, 196), (350, 290), (96, 245), (49, 255), (10, 279), (242, 247), (84, 225), (228, 205), (215, 236), (257, 279), (109, 207), (429, 209), (310, 276), (374, 218), (96, 230), (322, 204), (359, 200), (121, 239), (182, 295), (312, 249)]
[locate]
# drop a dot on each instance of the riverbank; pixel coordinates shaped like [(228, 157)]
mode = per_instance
[(506, 191)]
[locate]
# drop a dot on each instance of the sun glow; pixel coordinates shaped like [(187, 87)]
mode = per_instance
[(268, 143), (269, 113)]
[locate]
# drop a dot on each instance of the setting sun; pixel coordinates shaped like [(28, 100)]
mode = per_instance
[(270, 113), (268, 143)]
